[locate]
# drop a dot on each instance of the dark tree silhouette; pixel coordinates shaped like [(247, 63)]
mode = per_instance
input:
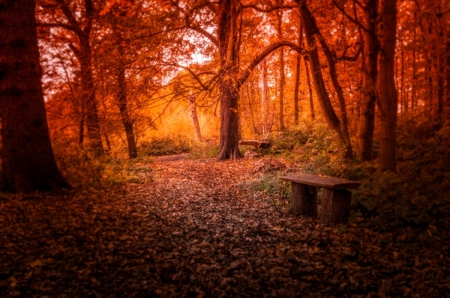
[(28, 163)]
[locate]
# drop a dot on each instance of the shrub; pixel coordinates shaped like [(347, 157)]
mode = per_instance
[(164, 146)]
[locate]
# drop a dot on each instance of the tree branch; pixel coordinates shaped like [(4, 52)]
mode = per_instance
[(68, 14), (264, 54), (351, 19), (204, 33)]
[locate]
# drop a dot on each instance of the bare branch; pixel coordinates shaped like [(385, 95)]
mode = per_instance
[(264, 54), (204, 33), (353, 20)]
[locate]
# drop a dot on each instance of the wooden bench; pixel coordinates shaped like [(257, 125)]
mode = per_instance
[(336, 197), (256, 143)]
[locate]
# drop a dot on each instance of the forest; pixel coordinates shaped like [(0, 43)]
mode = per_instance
[(144, 143)]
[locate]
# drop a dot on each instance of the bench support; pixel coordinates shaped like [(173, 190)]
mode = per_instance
[(335, 206), (304, 200)]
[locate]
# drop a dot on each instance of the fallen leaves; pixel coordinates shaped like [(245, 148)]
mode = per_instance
[(200, 230)]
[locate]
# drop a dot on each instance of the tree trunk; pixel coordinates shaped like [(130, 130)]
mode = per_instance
[(297, 77), (122, 103), (229, 42), (345, 136), (311, 100), (194, 116), (366, 122), (388, 94), (265, 102), (28, 162), (282, 75), (90, 103), (316, 71), (304, 200), (229, 128)]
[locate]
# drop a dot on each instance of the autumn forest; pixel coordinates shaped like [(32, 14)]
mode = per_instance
[(148, 148)]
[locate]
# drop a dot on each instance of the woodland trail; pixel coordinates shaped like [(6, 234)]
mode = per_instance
[(198, 228)]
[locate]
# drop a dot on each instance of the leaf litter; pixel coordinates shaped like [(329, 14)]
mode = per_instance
[(200, 229)]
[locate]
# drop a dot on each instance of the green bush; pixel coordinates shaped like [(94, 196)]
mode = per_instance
[(84, 170), (164, 146)]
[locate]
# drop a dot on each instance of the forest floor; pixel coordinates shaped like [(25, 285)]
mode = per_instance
[(198, 228)]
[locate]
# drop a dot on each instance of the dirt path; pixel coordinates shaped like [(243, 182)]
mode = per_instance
[(199, 229)]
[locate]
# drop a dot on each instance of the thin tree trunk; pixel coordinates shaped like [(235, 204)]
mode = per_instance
[(388, 94), (122, 102), (28, 163), (251, 95), (194, 116), (265, 99), (337, 87), (319, 84), (311, 100), (297, 77), (282, 75)]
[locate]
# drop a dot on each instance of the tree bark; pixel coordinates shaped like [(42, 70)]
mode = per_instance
[(265, 102), (366, 123), (304, 200), (316, 71), (297, 76), (122, 103), (345, 136), (229, 42), (311, 100), (194, 116), (388, 94), (282, 75), (28, 163)]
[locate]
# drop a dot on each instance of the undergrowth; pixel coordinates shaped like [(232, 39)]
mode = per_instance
[(83, 170), (416, 198)]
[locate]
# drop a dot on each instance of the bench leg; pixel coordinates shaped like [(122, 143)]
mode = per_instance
[(304, 200), (335, 206)]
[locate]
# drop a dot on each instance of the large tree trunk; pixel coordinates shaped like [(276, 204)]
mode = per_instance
[(366, 122), (28, 163), (229, 41), (229, 128), (388, 94)]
